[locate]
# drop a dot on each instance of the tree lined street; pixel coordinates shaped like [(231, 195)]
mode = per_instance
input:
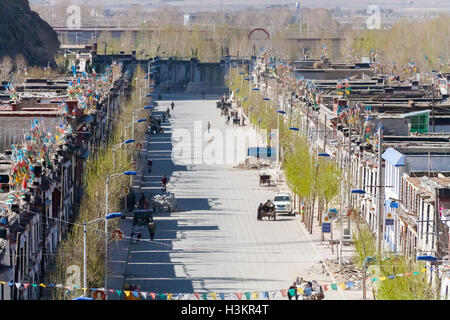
[(213, 242)]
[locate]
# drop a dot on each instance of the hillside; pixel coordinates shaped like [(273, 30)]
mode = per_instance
[(23, 31)]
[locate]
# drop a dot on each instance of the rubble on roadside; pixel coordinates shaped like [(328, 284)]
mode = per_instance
[(164, 201), (253, 163), (348, 272)]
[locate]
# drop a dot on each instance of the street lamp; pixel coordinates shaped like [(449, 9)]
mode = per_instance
[(132, 123), (122, 143), (294, 129), (266, 99), (127, 173), (114, 148), (278, 142), (107, 217)]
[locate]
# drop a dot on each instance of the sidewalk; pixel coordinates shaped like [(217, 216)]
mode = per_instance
[(324, 249), (119, 252), (330, 255)]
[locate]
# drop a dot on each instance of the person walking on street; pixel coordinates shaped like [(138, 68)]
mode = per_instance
[(172, 105), (209, 126), (151, 229), (149, 162), (228, 119), (164, 117), (293, 292), (259, 211), (164, 183)]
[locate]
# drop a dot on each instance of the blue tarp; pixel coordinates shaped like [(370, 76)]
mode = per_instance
[(88, 118), (82, 298), (262, 152), (394, 157)]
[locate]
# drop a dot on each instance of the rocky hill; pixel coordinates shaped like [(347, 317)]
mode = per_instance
[(23, 31)]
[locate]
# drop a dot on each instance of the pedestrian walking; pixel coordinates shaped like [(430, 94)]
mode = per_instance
[(172, 105), (164, 183), (259, 211), (151, 229), (228, 119), (209, 126), (150, 163), (293, 292)]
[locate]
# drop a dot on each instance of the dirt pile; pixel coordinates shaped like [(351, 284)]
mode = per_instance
[(23, 31), (349, 272), (253, 163)]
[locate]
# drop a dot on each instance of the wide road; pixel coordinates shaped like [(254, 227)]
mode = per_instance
[(213, 242)]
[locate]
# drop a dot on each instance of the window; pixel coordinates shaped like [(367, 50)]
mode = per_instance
[(420, 123)]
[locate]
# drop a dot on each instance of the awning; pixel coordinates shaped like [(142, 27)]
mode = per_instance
[(87, 118), (415, 113), (394, 157), (84, 154)]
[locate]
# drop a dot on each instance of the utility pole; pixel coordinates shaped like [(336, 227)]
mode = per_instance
[(84, 260), (106, 231), (16, 267), (380, 207), (349, 166), (132, 125), (325, 133), (432, 99), (307, 122)]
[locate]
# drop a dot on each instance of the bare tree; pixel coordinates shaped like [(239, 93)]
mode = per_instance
[(6, 66), (21, 64)]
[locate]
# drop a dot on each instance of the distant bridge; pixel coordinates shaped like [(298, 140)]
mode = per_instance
[(86, 35), (116, 32)]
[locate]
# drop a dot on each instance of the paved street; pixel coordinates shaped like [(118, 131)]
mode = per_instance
[(213, 242)]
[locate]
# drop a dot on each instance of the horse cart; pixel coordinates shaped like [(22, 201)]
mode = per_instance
[(223, 104), (264, 179), (268, 212)]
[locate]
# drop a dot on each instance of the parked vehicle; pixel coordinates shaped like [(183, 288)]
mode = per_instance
[(282, 201)]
